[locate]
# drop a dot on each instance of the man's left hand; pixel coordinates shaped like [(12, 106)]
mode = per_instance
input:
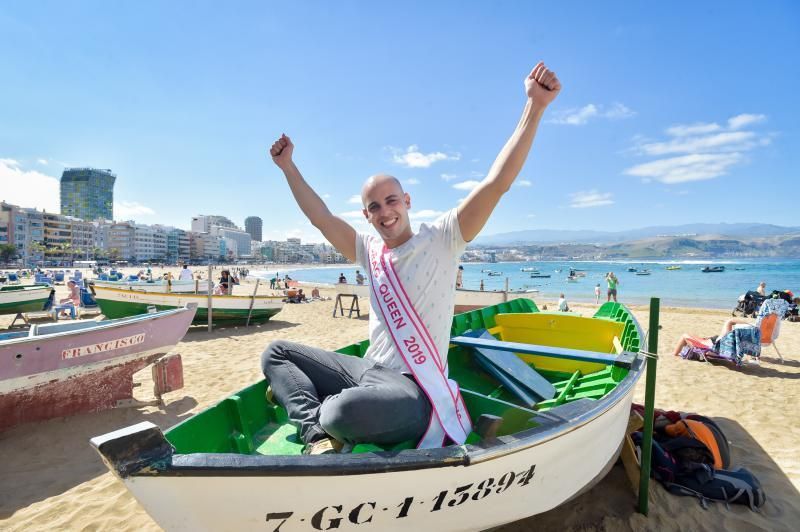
[(542, 85)]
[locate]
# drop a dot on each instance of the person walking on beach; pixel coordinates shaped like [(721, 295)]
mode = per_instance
[(359, 277), (382, 398), (612, 281), (460, 277), (597, 294)]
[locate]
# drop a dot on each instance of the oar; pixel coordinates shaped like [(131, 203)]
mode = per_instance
[(252, 301)]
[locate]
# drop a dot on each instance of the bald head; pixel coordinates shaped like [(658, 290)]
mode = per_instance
[(376, 181)]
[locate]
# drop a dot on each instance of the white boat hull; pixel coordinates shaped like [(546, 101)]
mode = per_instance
[(477, 496)]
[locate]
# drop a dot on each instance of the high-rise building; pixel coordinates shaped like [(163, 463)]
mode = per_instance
[(202, 222), (252, 224), (88, 193)]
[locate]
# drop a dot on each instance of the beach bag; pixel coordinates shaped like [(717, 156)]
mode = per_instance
[(701, 480)]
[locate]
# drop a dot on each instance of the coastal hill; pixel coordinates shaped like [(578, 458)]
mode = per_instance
[(677, 242)]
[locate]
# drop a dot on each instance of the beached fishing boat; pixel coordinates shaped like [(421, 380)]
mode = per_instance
[(66, 368), (120, 303), (23, 298), (175, 285), (238, 464), (472, 299)]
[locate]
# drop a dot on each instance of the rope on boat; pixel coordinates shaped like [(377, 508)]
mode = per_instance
[(648, 354)]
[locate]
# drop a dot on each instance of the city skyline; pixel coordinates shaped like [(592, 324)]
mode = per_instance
[(655, 125)]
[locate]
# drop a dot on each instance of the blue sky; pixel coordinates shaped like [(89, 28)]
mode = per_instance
[(675, 113)]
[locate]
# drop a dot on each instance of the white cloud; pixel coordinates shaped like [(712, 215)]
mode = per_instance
[(698, 151), (695, 167), (466, 185), (590, 198), (28, 188), (411, 181), (449, 177), (424, 213), (581, 116), (729, 140), (523, 183), (693, 129), (128, 210), (744, 119), (43, 162), (413, 158), (355, 199), (530, 216)]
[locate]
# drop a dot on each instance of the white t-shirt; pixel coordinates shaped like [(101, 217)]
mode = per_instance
[(426, 265), (186, 275)]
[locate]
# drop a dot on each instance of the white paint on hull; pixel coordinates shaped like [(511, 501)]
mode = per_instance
[(23, 296), (179, 300), (564, 465)]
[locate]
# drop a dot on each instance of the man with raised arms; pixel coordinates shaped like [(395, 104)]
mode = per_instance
[(399, 390)]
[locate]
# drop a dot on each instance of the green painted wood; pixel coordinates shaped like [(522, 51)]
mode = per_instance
[(121, 309)]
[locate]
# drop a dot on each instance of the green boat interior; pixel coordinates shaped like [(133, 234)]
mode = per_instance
[(246, 423)]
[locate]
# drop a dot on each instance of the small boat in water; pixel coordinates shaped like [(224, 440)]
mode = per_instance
[(540, 276), (70, 367), (713, 269), (586, 369), (528, 269), (643, 272), (632, 269), (494, 273), (572, 279), (673, 268)]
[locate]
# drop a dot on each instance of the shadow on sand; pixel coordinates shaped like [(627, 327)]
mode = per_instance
[(611, 504), (41, 460)]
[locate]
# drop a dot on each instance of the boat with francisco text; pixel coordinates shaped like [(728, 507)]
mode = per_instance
[(232, 309), (549, 396), (70, 367)]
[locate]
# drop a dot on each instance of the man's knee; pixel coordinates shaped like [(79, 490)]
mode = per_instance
[(275, 351)]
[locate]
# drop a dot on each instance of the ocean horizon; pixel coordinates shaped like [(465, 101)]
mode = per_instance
[(685, 287)]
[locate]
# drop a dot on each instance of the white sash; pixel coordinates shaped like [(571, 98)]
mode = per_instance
[(449, 415)]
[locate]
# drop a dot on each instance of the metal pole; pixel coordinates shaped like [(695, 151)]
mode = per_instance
[(210, 290), (649, 399), (505, 294)]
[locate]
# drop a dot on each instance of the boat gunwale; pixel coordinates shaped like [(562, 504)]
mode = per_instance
[(219, 464), (101, 325), (188, 294)]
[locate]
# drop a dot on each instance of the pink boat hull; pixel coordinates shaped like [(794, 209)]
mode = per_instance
[(66, 373)]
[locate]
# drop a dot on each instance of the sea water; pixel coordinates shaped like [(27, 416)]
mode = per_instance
[(686, 287)]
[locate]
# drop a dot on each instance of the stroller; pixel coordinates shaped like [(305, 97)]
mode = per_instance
[(748, 304)]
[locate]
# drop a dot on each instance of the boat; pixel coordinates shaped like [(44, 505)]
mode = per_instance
[(673, 267), (739, 269), (232, 309), (70, 367), (540, 276), (473, 299), (643, 272), (572, 279), (195, 286), (361, 290), (632, 269), (16, 299), (557, 271), (494, 273), (528, 269), (238, 465), (713, 269)]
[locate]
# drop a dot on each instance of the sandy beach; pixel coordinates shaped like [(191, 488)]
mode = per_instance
[(51, 479)]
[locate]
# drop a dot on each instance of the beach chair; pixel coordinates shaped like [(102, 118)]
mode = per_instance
[(88, 305), (59, 278), (769, 332), (13, 278)]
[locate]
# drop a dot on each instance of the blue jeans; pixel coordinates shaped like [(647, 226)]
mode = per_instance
[(346, 397), (65, 306)]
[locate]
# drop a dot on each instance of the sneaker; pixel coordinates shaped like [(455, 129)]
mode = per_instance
[(270, 398), (323, 446)]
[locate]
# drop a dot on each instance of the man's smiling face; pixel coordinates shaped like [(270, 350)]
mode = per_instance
[(386, 209)]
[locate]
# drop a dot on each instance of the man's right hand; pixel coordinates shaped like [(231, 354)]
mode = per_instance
[(281, 152)]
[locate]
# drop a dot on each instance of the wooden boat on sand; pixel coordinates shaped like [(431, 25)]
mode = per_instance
[(238, 464), (175, 285), (70, 367), (124, 302), (17, 299)]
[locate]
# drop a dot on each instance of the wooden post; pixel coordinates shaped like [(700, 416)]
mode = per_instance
[(252, 302), (649, 399), (210, 296), (505, 294)]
